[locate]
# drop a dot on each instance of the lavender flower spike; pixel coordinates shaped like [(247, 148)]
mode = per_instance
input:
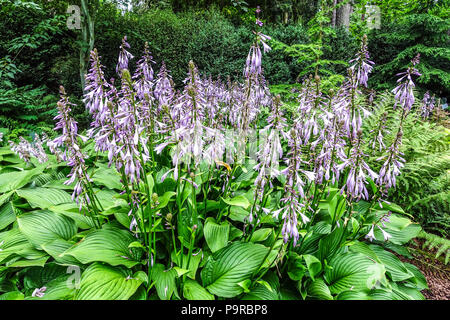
[(404, 91)]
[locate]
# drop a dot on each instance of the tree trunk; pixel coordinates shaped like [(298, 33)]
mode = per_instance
[(343, 14), (88, 38), (333, 18)]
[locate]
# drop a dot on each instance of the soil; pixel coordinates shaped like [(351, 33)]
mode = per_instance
[(434, 270)]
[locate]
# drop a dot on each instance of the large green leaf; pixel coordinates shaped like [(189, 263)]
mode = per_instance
[(239, 201), (230, 266), (400, 228), (13, 242), (43, 226), (16, 180), (329, 244), (107, 177), (192, 290), (394, 266), (72, 210), (318, 289), (108, 245), (44, 198), (349, 271), (164, 281), (7, 215), (102, 282), (216, 235)]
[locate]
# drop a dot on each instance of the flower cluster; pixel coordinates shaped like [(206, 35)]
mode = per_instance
[(404, 91), (26, 149)]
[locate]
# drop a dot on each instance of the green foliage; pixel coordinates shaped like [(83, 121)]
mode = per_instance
[(434, 242), (25, 111), (395, 44), (423, 188)]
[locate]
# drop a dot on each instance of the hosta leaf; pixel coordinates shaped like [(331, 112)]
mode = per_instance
[(164, 199), (15, 180), (329, 244), (108, 245), (72, 210), (5, 197), (192, 290), (22, 263), (239, 201), (313, 264), (7, 215), (267, 289), (216, 235), (318, 289), (349, 271), (230, 266), (44, 198), (394, 266), (13, 242), (107, 177), (419, 279), (43, 226), (13, 295), (353, 295), (261, 235), (102, 282), (57, 248), (59, 289), (400, 228), (164, 281)]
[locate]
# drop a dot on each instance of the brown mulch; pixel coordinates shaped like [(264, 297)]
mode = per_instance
[(436, 272)]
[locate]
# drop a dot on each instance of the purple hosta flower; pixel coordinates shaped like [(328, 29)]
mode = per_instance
[(294, 162), (144, 75), (72, 151), (427, 105), (362, 65), (270, 150), (124, 56), (404, 91), (371, 234), (290, 213), (254, 58), (1, 136), (39, 292), (164, 91), (391, 166), (355, 186), (96, 87), (379, 133), (188, 133), (333, 149), (26, 149)]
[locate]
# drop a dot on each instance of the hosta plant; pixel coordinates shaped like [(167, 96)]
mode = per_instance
[(207, 192)]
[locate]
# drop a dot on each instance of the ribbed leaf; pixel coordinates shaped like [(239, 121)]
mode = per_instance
[(106, 245), (7, 215), (216, 235), (107, 177), (348, 271), (101, 282), (72, 210), (192, 290), (164, 281), (394, 266), (43, 226), (15, 180), (230, 266), (44, 198), (318, 289)]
